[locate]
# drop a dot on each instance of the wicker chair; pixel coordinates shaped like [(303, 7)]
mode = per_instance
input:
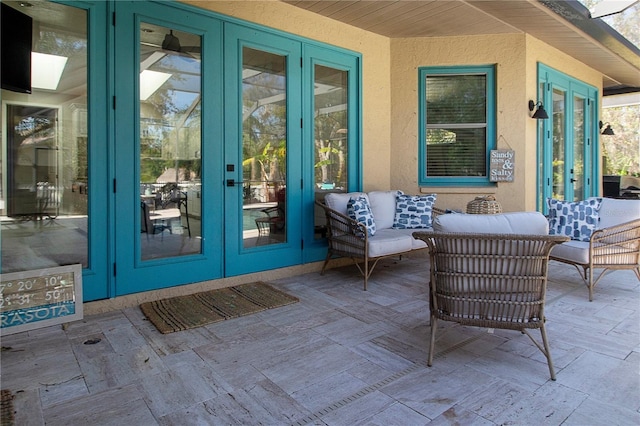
[(490, 280), (612, 248)]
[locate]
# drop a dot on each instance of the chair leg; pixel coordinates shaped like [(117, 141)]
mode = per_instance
[(547, 351), (590, 284), (186, 214), (637, 271), (432, 340), (366, 272), (326, 262)]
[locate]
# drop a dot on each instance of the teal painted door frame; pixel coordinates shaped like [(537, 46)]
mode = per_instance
[(300, 243), (132, 273), (316, 248), (572, 126), (241, 258)]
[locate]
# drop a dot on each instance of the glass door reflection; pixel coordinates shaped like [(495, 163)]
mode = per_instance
[(559, 123), (44, 197), (577, 165), (330, 100), (170, 142), (264, 148)]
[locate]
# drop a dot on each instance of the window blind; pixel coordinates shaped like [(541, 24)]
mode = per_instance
[(456, 123)]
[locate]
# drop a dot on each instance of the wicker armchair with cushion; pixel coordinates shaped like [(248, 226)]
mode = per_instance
[(479, 278), (605, 234)]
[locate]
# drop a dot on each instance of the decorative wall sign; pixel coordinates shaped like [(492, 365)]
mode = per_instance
[(502, 165), (40, 298)]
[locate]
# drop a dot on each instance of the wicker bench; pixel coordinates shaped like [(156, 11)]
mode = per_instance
[(349, 238)]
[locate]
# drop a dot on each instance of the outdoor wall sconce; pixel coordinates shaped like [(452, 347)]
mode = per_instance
[(607, 130), (540, 113)]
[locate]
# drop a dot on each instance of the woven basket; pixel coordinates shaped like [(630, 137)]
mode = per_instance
[(484, 205)]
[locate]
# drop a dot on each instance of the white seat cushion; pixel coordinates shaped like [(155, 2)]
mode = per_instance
[(389, 241), (526, 223), (415, 243), (574, 251)]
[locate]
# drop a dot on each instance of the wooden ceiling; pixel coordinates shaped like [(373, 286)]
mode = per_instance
[(566, 27)]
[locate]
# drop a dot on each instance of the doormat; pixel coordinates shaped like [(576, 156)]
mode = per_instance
[(195, 310), (6, 407)]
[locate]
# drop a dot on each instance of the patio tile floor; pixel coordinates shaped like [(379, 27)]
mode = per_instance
[(341, 356)]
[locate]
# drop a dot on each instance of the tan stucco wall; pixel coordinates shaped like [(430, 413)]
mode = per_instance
[(516, 57), (538, 51), (407, 55), (390, 98), (375, 76)]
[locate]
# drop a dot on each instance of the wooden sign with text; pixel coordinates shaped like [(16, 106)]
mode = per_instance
[(40, 298), (502, 165)]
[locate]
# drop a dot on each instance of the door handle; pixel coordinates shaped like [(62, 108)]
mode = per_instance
[(232, 182)]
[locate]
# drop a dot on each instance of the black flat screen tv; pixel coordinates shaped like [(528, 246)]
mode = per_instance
[(16, 50)]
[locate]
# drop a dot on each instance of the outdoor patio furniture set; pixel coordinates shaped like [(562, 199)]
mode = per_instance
[(486, 270), (604, 233)]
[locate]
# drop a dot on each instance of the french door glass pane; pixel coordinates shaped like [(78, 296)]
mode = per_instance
[(45, 176), (170, 142), (578, 148), (330, 126), (558, 143), (330, 101), (264, 147)]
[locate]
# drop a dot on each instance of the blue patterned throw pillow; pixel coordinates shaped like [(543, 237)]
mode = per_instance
[(413, 211), (576, 220), (358, 209)]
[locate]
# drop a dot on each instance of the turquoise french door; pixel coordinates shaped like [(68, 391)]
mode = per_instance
[(167, 106), (292, 134), (263, 150), (568, 140), (332, 160)]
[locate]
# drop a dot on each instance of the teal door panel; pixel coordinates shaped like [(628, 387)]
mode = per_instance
[(263, 151), (96, 279), (168, 147), (54, 148), (332, 158)]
